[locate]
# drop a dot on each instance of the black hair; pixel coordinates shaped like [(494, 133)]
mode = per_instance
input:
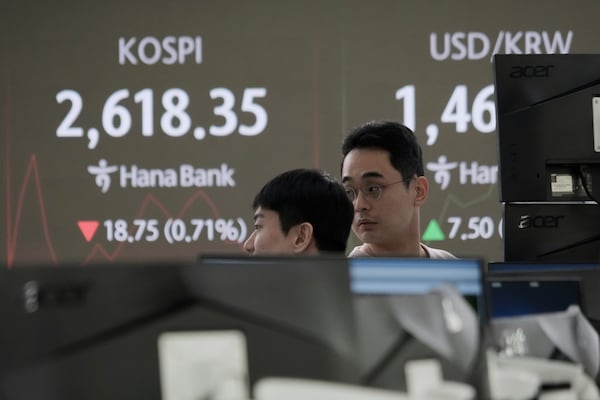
[(314, 196), (398, 140)]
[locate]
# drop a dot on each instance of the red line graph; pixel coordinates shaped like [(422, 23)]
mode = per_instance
[(12, 231), (99, 249)]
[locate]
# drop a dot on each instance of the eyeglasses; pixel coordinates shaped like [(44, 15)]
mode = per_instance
[(372, 191)]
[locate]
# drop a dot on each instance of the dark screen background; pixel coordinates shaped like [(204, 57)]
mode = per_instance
[(531, 296)]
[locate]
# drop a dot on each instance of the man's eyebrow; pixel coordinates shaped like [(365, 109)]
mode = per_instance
[(258, 215), (372, 174), (368, 174)]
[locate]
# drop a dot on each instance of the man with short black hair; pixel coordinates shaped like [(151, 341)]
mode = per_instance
[(382, 171), (301, 211)]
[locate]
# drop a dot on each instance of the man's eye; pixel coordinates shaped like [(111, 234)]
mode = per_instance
[(373, 189)]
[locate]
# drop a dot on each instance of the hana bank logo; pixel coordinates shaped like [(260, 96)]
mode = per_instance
[(102, 173), (184, 176)]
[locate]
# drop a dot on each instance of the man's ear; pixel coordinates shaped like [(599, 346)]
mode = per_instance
[(303, 237), (422, 188)]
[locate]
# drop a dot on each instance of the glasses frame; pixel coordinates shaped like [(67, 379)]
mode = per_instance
[(352, 193)]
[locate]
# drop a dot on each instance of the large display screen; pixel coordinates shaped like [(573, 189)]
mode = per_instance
[(142, 129)]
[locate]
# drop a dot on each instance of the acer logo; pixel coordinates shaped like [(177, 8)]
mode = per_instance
[(530, 71), (539, 221)]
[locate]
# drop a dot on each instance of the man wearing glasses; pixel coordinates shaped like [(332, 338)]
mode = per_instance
[(382, 172)]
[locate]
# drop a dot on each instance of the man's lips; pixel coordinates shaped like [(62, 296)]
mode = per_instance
[(366, 222)]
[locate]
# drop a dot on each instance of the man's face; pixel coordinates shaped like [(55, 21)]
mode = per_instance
[(267, 237), (390, 217)]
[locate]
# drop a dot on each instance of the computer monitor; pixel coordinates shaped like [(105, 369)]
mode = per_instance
[(402, 276), (551, 232), (548, 113), (530, 311), (524, 288), (391, 291), (512, 297), (113, 331)]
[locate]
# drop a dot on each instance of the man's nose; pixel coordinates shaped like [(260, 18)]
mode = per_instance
[(249, 243), (361, 202)]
